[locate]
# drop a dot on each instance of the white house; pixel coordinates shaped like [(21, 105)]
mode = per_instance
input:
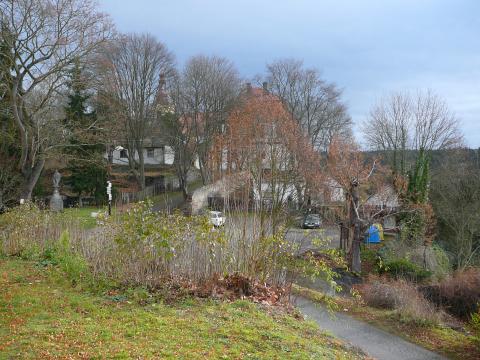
[(152, 155)]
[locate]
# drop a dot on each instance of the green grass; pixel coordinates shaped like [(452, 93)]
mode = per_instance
[(167, 197), (84, 215), (173, 198), (43, 317)]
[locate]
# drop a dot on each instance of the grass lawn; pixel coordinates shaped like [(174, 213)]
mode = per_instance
[(455, 344), (43, 317), (168, 198), (171, 200), (84, 215)]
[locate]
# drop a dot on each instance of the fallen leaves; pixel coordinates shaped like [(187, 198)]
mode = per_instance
[(237, 286)]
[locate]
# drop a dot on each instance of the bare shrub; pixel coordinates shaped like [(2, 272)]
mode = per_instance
[(27, 228), (459, 293), (152, 249), (378, 294), (401, 296)]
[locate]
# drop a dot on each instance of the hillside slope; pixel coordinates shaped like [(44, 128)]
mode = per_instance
[(43, 317)]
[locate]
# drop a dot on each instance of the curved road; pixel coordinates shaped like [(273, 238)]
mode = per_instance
[(371, 340)]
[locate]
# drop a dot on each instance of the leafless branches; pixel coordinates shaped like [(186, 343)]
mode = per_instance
[(45, 38), (455, 196), (403, 122), (314, 103), (131, 69), (209, 87)]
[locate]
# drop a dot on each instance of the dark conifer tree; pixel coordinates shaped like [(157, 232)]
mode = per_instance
[(86, 166), (9, 141)]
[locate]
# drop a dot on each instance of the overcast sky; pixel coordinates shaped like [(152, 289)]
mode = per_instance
[(367, 47)]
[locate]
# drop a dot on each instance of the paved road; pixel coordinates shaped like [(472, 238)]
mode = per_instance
[(327, 237), (371, 340)]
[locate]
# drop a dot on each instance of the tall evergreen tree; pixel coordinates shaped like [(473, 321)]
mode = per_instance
[(9, 149), (86, 166), (418, 179)]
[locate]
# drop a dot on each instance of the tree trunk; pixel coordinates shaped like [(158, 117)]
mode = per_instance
[(356, 262), (30, 179), (354, 236), (203, 171), (300, 198), (141, 169), (183, 186)]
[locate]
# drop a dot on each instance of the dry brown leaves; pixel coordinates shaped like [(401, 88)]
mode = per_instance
[(236, 286)]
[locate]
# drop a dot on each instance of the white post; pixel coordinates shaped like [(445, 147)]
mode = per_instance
[(109, 193)]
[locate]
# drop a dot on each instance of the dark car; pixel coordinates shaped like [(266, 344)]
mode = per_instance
[(311, 221)]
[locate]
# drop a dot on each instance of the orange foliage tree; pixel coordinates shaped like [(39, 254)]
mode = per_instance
[(262, 140)]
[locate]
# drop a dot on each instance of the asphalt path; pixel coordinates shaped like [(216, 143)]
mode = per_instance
[(328, 237), (371, 340)]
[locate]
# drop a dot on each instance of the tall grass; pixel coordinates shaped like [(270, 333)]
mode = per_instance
[(401, 296)]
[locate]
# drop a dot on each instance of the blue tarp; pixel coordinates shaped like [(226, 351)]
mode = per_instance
[(373, 235)]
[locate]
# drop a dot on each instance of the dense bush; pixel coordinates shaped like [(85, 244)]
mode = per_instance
[(459, 293), (401, 296), (431, 258), (404, 269), (443, 267)]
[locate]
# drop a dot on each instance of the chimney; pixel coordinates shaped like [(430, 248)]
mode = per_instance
[(265, 86), (249, 88)]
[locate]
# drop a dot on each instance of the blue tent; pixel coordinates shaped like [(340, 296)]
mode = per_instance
[(373, 235)]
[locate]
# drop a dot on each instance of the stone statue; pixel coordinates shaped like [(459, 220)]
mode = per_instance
[(56, 179), (56, 201)]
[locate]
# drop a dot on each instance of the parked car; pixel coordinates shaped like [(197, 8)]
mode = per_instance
[(217, 218), (312, 221)]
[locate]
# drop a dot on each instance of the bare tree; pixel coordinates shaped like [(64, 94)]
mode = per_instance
[(210, 87), (132, 68), (45, 37), (455, 196), (181, 132), (314, 103), (360, 180), (403, 122)]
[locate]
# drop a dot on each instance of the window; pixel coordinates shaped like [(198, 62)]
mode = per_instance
[(123, 154), (150, 153)]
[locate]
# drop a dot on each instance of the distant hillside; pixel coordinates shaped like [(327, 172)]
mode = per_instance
[(438, 157)]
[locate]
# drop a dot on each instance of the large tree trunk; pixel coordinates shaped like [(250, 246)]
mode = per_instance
[(30, 179), (354, 231), (300, 198), (141, 169), (182, 179), (356, 263), (203, 170), (137, 167)]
